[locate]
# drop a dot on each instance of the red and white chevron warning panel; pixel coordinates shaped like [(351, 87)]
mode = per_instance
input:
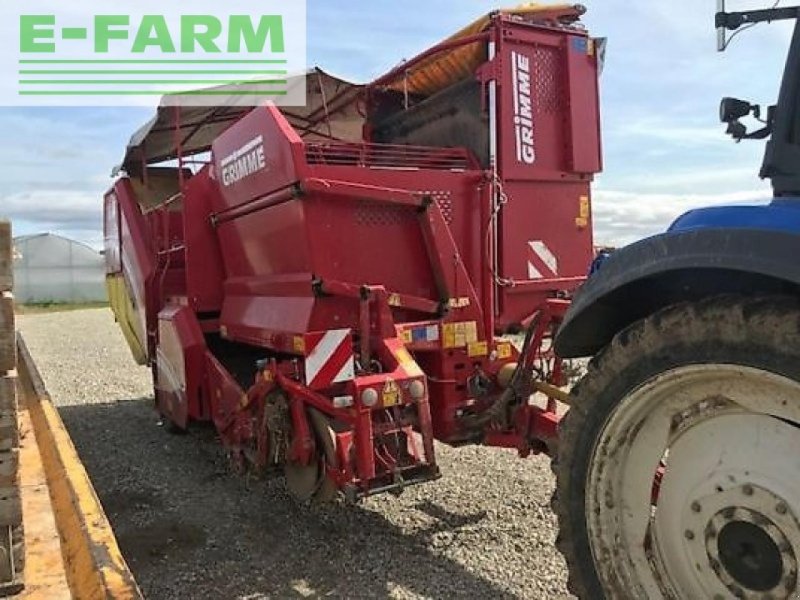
[(542, 263), (329, 358)]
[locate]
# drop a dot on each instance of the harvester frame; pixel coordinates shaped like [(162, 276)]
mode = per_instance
[(330, 290)]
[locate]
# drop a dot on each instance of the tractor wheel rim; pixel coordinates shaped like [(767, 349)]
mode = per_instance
[(724, 520)]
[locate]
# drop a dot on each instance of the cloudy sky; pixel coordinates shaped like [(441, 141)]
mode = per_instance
[(664, 148)]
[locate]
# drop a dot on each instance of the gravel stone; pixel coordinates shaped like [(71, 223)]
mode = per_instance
[(190, 528)]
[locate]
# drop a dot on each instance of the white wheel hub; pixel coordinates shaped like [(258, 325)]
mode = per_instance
[(723, 519)]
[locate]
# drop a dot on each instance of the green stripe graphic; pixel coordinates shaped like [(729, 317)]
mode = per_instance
[(148, 81), (152, 62), (160, 72), (149, 93)]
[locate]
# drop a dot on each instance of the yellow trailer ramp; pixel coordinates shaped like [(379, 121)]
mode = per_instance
[(70, 548), (55, 539)]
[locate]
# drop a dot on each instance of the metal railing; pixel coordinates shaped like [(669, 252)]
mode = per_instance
[(389, 156)]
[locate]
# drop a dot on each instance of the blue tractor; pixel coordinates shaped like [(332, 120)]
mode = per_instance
[(678, 469)]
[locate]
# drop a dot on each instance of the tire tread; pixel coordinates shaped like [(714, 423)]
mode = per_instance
[(763, 321)]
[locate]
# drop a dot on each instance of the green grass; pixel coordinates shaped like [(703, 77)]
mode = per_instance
[(52, 307)]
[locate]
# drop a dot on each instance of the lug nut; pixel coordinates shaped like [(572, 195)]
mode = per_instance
[(747, 489), (689, 535), (781, 509), (696, 507)]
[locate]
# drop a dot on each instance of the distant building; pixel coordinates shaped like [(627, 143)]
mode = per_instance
[(50, 268)]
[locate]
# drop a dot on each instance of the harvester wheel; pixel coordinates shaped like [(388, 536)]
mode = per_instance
[(677, 464), (309, 483)]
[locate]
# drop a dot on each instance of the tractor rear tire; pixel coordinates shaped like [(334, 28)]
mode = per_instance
[(679, 456)]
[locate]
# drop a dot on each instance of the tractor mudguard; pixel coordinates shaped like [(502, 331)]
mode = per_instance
[(688, 263)]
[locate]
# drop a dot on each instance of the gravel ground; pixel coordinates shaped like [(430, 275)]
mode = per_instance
[(191, 529)]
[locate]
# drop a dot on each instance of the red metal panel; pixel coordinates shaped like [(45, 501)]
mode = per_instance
[(138, 264), (391, 233), (346, 237), (255, 319), (204, 268), (548, 153), (532, 107), (165, 225), (180, 366), (257, 155), (544, 213), (548, 110), (334, 237), (584, 109), (224, 394)]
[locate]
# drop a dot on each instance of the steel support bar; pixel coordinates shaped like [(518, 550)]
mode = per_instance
[(248, 208), (373, 193), (734, 20), (534, 285)]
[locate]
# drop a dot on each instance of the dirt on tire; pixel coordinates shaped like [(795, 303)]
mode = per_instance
[(760, 332)]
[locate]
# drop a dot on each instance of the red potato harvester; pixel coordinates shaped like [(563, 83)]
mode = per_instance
[(331, 288)]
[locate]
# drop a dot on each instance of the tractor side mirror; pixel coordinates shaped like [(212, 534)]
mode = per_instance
[(736, 130), (733, 109)]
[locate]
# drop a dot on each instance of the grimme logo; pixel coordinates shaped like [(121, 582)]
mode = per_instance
[(140, 52), (523, 108), (243, 162)]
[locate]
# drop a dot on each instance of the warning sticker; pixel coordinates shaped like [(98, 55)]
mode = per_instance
[(478, 349), (458, 335), (584, 212), (504, 351), (391, 393)]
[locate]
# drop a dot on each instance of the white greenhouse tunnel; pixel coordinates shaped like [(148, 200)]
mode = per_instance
[(52, 269)]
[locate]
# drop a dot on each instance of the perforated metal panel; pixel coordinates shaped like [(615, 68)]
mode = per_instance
[(546, 81), (376, 214), (445, 201)]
